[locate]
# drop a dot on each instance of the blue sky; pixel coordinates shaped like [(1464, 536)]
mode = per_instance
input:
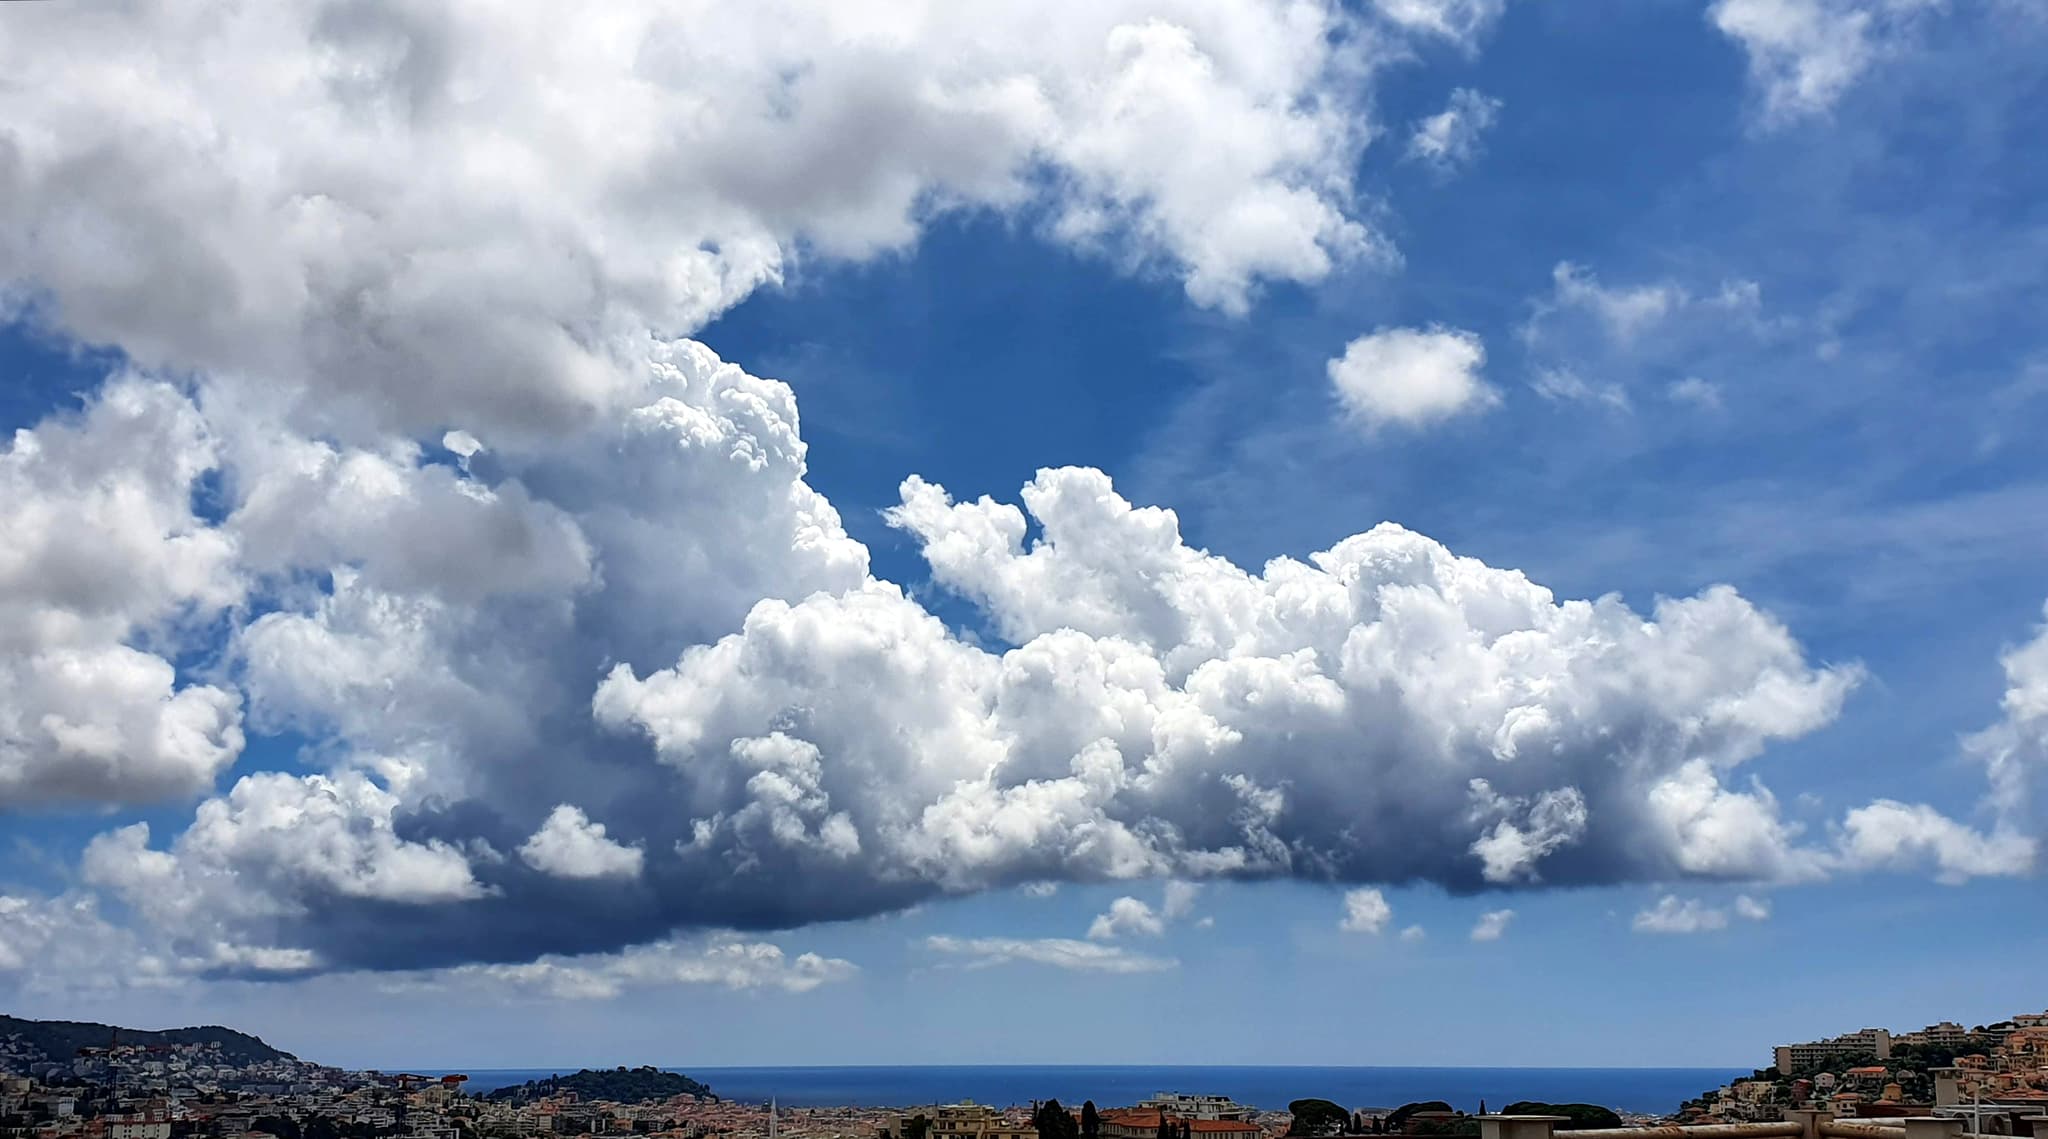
[(514, 779)]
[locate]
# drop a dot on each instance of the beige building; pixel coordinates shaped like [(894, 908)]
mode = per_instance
[(1873, 1042), (969, 1120), (1183, 1106)]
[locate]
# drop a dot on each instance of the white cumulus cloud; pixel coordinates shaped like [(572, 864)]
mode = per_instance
[(1901, 836), (1411, 377), (104, 560), (569, 845), (1127, 917), (430, 494), (1365, 911), (440, 211)]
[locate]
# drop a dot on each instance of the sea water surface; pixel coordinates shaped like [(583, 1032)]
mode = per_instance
[(1647, 1090)]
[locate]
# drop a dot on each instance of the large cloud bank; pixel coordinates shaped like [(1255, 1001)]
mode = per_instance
[(639, 676), (461, 207), (418, 465)]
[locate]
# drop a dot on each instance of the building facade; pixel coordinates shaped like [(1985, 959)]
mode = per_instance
[(1873, 1042), (1185, 1106)]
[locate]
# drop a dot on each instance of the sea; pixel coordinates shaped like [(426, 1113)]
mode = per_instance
[(1650, 1091)]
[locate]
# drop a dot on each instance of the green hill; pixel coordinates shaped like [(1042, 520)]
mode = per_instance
[(61, 1039), (617, 1085)]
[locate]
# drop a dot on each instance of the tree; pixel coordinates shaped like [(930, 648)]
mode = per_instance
[(1398, 1119), (1583, 1116), (916, 1126), (1055, 1122), (1091, 1121), (1317, 1117)]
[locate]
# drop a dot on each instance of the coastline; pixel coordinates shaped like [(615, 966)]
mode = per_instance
[(1644, 1091)]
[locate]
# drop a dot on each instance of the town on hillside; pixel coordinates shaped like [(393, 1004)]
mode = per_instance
[(1995, 1076), (213, 1083)]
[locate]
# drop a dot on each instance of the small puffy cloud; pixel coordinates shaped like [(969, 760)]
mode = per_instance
[(569, 845), (1752, 909), (1127, 917), (1889, 835), (1365, 911), (1411, 377), (1450, 139), (1492, 925), (1527, 830), (1414, 933), (1804, 54), (1040, 889), (461, 444), (1060, 953)]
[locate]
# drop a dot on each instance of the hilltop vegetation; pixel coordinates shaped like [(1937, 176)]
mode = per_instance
[(61, 1039), (619, 1085)]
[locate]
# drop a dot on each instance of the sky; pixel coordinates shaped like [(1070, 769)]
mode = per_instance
[(1445, 532)]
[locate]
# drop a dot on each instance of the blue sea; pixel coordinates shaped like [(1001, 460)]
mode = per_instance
[(1647, 1090)]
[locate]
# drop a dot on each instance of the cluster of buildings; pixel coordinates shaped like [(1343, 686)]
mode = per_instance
[(195, 1092), (1997, 1070), (1195, 1116)]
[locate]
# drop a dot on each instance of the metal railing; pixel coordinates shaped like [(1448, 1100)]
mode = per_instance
[(1787, 1130), (1803, 1123), (1799, 1123)]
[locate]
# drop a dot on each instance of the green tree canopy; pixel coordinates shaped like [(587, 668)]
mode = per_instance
[(1399, 1118), (1054, 1122), (1317, 1117), (1583, 1116)]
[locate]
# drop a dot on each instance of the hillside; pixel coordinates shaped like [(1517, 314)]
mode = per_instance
[(617, 1085), (61, 1039)]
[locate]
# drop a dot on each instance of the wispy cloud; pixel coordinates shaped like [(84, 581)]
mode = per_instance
[(1058, 952), (1673, 914), (1492, 925)]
